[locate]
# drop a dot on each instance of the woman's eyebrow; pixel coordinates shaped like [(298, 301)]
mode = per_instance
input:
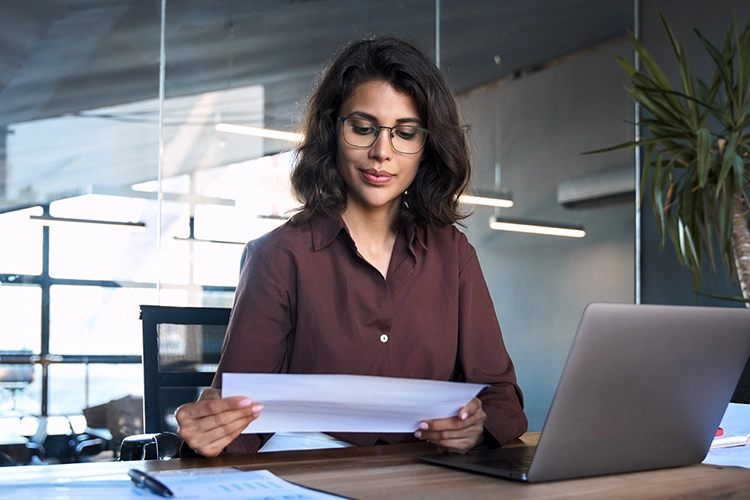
[(370, 117)]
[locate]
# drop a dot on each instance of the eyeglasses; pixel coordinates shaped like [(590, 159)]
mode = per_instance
[(362, 133)]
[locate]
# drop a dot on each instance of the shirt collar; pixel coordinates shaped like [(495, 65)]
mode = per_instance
[(415, 236), (325, 228)]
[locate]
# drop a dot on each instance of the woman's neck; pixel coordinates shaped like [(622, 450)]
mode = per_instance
[(373, 233)]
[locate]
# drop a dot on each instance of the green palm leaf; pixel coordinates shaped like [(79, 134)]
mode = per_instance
[(697, 146), (703, 149), (688, 87)]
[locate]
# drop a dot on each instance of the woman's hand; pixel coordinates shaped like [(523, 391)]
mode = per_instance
[(460, 433), (212, 422)]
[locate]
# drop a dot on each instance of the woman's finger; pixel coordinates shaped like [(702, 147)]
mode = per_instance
[(470, 408), (459, 433), (468, 416), (434, 435), (211, 423), (213, 441), (208, 407)]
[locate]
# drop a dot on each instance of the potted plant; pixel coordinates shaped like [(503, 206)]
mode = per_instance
[(697, 153)]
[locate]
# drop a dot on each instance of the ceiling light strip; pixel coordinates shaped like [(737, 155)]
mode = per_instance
[(47, 220), (533, 227), (200, 240), (485, 200), (259, 132)]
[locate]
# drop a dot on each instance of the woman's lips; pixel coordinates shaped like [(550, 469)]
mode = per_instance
[(376, 176)]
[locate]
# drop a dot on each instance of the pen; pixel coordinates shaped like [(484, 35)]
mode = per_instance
[(143, 480)]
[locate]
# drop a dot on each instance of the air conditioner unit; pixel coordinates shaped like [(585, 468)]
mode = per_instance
[(608, 186)]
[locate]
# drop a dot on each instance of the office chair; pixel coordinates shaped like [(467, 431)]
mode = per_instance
[(181, 350), (14, 378), (157, 446), (16, 449)]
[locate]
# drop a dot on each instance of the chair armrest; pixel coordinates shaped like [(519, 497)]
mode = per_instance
[(159, 446)]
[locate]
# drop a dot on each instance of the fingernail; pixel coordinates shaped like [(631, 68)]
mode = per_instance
[(418, 434), (244, 402), (258, 408), (464, 416), (423, 425)]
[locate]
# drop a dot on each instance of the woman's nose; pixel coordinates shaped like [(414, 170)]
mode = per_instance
[(381, 148)]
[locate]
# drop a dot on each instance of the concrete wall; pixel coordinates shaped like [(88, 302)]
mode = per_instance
[(535, 127)]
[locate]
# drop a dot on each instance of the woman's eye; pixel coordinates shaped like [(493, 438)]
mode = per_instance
[(363, 128), (407, 133)]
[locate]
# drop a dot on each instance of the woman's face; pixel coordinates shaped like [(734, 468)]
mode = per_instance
[(376, 176)]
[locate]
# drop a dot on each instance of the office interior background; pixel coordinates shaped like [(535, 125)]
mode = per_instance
[(104, 120)]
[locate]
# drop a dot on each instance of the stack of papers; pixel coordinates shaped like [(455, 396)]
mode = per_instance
[(731, 447), (216, 484), (346, 403), (735, 427), (260, 484)]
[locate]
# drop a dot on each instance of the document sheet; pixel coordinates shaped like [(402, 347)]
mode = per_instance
[(732, 448), (214, 484), (260, 484), (346, 403)]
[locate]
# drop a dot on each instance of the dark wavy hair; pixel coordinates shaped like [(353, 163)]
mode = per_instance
[(445, 170)]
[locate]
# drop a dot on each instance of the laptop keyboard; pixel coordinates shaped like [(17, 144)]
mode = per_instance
[(517, 463)]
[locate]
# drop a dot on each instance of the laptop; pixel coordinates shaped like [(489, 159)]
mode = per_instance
[(644, 387)]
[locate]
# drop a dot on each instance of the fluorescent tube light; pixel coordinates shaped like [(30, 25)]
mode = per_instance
[(48, 220), (537, 227), (273, 217), (199, 240), (258, 132), (487, 198)]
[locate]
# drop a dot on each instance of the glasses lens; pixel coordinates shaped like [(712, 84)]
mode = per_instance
[(362, 133), (407, 139), (359, 132)]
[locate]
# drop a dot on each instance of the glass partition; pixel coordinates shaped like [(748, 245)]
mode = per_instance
[(249, 66), (79, 108), (111, 198)]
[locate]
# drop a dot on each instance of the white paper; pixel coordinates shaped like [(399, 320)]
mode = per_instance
[(346, 403), (260, 484), (736, 426), (185, 484), (736, 422)]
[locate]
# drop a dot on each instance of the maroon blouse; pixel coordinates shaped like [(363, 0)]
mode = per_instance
[(307, 302)]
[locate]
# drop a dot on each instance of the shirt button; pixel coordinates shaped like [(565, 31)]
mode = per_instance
[(384, 338)]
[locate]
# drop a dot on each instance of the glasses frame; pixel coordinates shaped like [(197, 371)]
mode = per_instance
[(379, 127)]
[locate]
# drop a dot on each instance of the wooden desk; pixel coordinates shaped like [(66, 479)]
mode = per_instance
[(392, 472)]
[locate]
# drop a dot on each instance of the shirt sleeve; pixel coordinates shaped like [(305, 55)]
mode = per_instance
[(482, 353), (262, 305)]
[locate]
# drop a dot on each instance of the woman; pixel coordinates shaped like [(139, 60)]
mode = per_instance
[(371, 276)]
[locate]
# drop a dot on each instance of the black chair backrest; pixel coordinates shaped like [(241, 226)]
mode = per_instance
[(181, 348)]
